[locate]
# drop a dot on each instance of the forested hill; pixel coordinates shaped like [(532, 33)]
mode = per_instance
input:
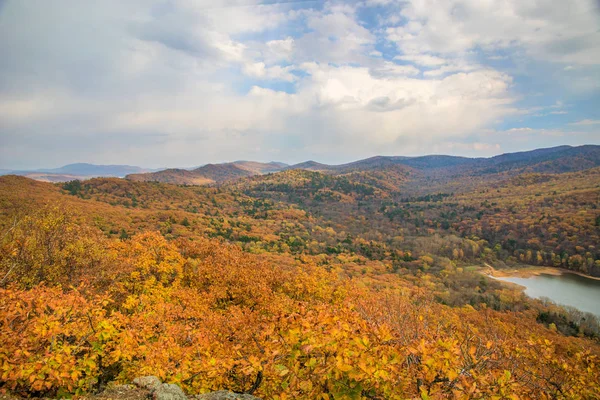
[(360, 281), (210, 173), (552, 160)]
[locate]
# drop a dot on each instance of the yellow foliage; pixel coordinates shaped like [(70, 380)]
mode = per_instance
[(78, 309)]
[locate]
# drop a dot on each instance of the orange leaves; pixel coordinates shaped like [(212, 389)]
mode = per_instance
[(49, 246), (47, 340), (152, 259), (319, 350), (210, 316)]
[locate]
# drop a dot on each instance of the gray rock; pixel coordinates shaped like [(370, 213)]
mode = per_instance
[(119, 387), (225, 395), (168, 391), (116, 391), (147, 382)]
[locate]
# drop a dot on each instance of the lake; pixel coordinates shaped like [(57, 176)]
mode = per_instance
[(567, 289)]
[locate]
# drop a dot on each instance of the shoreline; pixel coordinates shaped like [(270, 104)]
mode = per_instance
[(529, 271)]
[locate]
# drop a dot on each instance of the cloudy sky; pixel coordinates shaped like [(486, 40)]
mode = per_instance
[(183, 83)]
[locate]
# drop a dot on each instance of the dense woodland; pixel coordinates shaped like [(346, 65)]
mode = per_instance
[(362, 282)]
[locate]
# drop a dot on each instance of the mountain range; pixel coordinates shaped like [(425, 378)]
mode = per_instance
[(77, 171), (209, 173), (547, 160)]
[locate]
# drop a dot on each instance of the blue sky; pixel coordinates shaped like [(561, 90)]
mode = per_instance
[(183, 83)]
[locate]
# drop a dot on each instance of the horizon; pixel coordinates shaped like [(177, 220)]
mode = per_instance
[(288, 164), (171, 82)]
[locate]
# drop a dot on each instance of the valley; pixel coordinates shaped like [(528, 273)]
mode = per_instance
[(316, 281), (300, 200)]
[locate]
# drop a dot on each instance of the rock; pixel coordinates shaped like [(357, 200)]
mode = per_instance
[(115, 387), (168, 391), (147, 382), (225, 395), (121, 392)]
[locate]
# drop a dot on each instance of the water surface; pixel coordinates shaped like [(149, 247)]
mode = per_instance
[(568, 289)]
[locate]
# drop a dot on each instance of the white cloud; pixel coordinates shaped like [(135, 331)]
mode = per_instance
[(170, 77), (388, 68), (360, 113), (335, 36), (562, 32), (531, 131), (279, 50), (556, 112), (479, 148), (423, 59), (168, 83), (347, 105), (379, 2), (276, 72), (231, 18), (586, 122), (453, 67)]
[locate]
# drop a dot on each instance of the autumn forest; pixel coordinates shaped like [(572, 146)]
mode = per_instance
[(367, 280)]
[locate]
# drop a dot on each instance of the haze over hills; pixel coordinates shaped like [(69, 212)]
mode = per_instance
[(77, 171), (535, 160), (549, 160), (209, 173)]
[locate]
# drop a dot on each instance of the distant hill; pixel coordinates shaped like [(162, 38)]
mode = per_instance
[(376, 162), (312, 166), (525, 156), (209, 173), (360, 165), (438, 161), (84, 169), (173, 175), (260, 168), (76, 171), (223, 172), (49, 177), (550, 160)]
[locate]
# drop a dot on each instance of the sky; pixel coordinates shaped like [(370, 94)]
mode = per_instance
[(184, 83)]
